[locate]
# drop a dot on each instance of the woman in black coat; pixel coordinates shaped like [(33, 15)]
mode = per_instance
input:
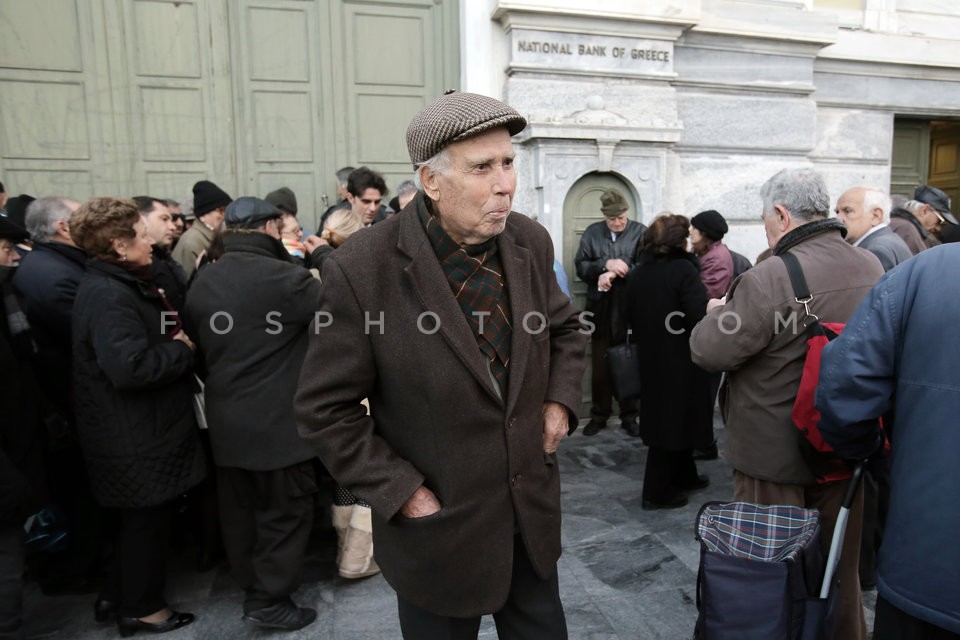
[(665, 299), (132, 376)]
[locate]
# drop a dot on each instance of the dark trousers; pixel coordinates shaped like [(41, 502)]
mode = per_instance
[(266, 517), (667, 473), (11, 581), (876, 501), (138, 571), (703, 437), (893, 624), (533, 610)]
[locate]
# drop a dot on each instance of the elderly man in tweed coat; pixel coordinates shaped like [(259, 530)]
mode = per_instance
[(449, 319)]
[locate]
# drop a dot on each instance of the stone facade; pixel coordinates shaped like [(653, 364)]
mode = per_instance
[(692, 104)]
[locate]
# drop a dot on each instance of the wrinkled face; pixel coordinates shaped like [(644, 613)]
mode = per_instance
[(160, 225), (851, 213), (931, 219), (618, 223), (8, 254), (366, 204), (136, 250), (290, 228), (473, 198)]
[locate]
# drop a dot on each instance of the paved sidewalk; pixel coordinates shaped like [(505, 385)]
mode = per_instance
[(625, 573)]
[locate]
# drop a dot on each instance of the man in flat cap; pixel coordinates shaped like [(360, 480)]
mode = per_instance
[(448, 317), (604, 258), (250, 311), (921, 220)]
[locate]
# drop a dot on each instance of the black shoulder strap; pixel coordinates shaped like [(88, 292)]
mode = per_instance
[(799, 283)]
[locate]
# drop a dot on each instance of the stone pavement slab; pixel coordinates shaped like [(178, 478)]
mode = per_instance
[(625, 573)]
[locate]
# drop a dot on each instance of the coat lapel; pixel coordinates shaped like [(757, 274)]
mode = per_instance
[(434, 295), (516, 272)]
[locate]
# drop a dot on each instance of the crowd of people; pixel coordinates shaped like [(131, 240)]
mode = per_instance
[(405, 364)]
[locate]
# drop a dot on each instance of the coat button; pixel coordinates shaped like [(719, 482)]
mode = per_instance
[(515, 480), (510, 423)]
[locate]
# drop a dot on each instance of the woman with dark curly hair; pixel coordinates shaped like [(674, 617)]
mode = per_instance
[(665, 299), (132, 378)]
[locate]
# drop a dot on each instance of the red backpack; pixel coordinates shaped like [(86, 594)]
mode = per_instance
[(820, 456)]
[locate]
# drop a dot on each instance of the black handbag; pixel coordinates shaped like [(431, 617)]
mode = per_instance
[(624, 361)]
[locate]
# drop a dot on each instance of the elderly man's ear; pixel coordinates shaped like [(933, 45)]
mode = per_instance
[(430, 183)]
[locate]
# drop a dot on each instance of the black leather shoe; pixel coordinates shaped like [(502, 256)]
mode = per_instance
[(594, 427), (702, 482), (676, 502), (129, 626), (103, 610), (283, 615)]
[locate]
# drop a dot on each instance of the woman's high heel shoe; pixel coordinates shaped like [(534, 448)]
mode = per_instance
[(129, 626)]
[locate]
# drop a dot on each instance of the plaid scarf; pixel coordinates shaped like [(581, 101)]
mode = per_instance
[(475, 274)]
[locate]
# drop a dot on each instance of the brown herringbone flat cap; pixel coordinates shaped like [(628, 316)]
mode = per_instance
[(455, 116)]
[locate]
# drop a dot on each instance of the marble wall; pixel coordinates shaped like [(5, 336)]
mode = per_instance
[(695, 105)]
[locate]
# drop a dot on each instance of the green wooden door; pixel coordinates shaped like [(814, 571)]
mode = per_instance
[(911, 155), (149, 96)]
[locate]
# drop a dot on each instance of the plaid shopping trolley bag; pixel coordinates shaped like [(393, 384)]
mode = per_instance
[(762, 574), (759, 567)]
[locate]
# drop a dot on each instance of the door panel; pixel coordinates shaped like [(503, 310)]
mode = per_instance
[(945, 159), (148, 96), (911, 149), (391, 71)]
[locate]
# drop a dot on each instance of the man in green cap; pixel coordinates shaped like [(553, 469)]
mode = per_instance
[(603, 260)]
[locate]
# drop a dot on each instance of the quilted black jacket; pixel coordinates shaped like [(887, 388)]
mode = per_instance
[(133, 393)]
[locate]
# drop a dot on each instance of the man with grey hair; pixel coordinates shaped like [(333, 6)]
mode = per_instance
[(343, 175), (756, 334), (406, 190), (47, 281), (448, 318), (866, 213), (48, 276)]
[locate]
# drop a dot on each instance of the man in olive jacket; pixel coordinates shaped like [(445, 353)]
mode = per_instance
[(249, 313), (758, 337), (448, 317)]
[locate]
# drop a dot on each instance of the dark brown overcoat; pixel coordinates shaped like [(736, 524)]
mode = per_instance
[(397, 336)]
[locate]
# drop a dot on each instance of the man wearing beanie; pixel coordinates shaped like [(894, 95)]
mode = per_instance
[(250, 311), (606, 253), (448, 317), (209, 204)]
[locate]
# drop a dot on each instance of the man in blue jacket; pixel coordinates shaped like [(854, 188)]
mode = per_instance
[(889, 356)]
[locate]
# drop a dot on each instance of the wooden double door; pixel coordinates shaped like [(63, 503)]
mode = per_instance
[(147, 96)]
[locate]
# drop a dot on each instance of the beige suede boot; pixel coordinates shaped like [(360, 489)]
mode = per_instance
[(357, 559), (341, 521)]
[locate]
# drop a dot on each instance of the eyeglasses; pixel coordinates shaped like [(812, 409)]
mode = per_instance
[(940, 218)]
